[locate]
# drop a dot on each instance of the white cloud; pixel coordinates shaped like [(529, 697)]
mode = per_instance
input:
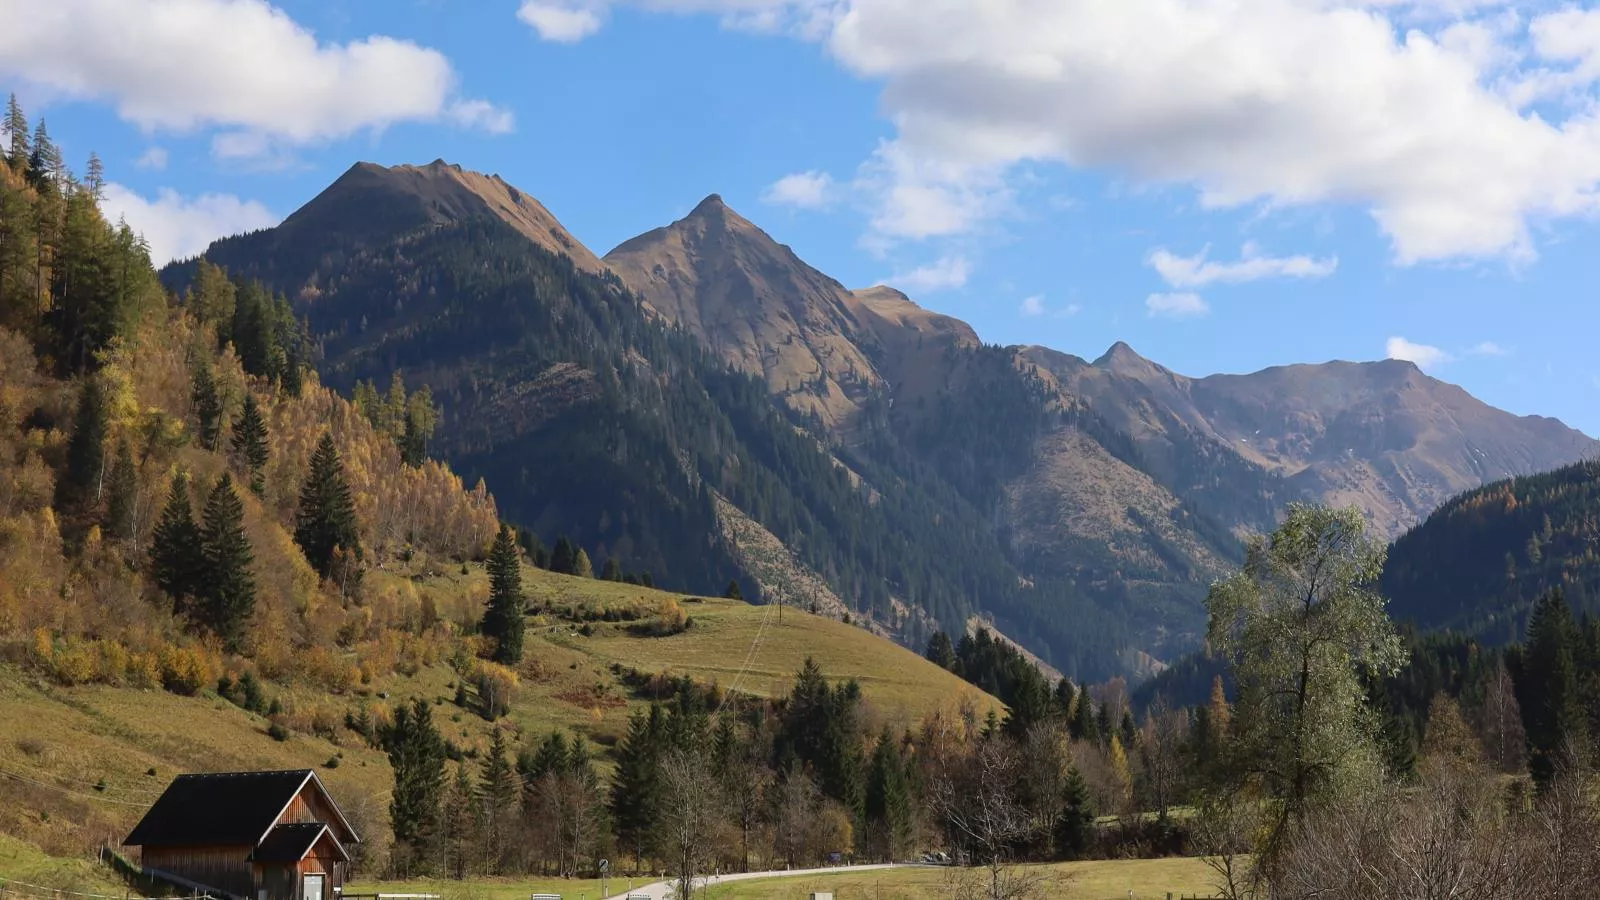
[(1175, 306), (178, 228), (560, 23), (1197, 271), (1489, 348), (948, 272), (1426, 126), (1032, 306), (1070, 310), (153, 158), (803, 190), (1425, 356), (243, 66)]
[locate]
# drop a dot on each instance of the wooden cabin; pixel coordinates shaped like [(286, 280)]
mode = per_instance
[(248, 836)]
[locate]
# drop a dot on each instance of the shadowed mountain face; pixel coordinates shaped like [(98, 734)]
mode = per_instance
[(820, 442)]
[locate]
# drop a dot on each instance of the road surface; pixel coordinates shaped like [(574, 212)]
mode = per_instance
[(659, 890)]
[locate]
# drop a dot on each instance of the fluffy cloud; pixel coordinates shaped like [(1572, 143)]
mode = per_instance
[(153, 158), (242, 66), (1197, 271), (1427, 126), (177, 228), (1032, 306), (1175, 306), (1425, 356), (803, 190), (562, 24), (948, 272)]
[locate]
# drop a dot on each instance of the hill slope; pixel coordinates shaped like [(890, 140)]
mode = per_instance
[(1481, 560)]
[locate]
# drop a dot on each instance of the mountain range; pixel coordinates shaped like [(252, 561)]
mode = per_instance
[(701, 403)]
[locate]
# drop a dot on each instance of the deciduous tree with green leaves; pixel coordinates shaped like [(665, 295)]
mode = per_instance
[(1299, 624)]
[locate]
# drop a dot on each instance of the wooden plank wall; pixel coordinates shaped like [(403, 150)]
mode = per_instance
[(222, 867)]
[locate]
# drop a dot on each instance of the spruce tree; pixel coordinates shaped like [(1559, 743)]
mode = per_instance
[(79, 488), (732, 591), (122, 497), (16, 128), (500, 792), (207, 407), (1085, 725), (461, 818), (612, 570), (941, 652), (1075, 826), (250, 442), (564, 558), (177, 559), (636, 787), (888, 800), (327, 515), (503, 619), (227, 589), (417, 756), (1551, 706)]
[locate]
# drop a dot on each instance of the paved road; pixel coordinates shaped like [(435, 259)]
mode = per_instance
[(658, 890)]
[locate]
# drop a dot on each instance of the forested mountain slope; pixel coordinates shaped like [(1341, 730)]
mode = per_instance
[(590, 417), (1481, 561)]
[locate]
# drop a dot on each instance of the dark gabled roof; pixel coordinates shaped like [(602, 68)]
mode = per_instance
[(220, 808), (292, 841)]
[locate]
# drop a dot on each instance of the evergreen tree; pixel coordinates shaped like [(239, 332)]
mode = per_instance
[(888, 800), (94, 178), (1075, 826), (462, 820), (499, 791), (1085, 725), (122, 499), (327, 516), (44, 163), (732, 591), (612, 570), (16, 129), (564, 558), (177, 558), (227, 591), (207, 407), (79, 488), (417, 756), (1552, 709), (503, 619), (250, 442), (941, 652), (636, 786), (420, 420), (581, 566)]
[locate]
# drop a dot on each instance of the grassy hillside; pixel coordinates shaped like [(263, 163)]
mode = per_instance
[(88, 760)]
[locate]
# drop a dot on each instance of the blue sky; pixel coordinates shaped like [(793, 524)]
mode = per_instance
[(1224, 185)]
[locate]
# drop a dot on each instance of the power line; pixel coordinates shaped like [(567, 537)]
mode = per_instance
[(57, 787)]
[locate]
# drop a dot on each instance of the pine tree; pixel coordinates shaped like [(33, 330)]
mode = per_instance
[(44, 163), (207, 407), (732, 591), (564, 558), (417, 756), (1075, 826), (941, 652), (499, 791), (1551, 706), (503, 619), (228, 589), (327, 516), (79, 488), (888, 800), (177, 559), (581, 566), (250, 442), (16, 128), (122, 500), (1085, 724), (636, 786), (612, 570), (94, 178), (461, 821)]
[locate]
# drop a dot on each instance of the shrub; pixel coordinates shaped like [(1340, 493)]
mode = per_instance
[(277, 732)]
